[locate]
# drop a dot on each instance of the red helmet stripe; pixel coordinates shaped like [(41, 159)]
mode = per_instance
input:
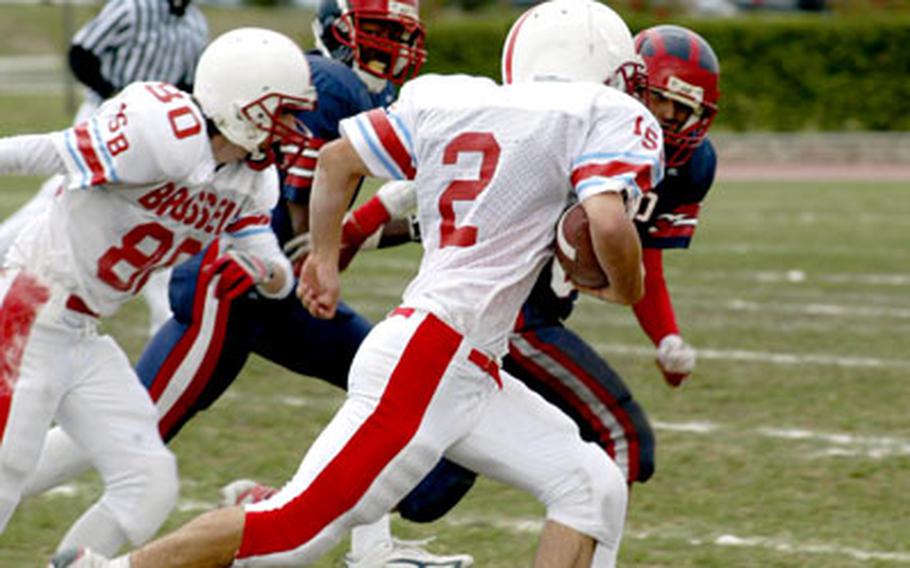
[(694, 51), (510, 47)]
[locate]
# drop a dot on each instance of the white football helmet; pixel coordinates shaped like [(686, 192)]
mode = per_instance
[(246, 79), (572, 40)]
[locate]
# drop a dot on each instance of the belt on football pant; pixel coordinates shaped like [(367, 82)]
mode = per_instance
[(77, 304), (486, 363)]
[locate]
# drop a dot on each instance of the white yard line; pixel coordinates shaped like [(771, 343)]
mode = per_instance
[(788, 547), (829, 444), (767, 357), (533, 526), (797, 276)]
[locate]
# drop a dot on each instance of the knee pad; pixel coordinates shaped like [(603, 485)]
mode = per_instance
[(437, 493), (142, 497), (591, 497)]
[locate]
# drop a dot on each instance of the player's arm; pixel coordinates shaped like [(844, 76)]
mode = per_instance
[(675, 358), (617, 247), (256, 260), (338, 172), (86, 67), (112, 27), (374, 143), (30, 155)]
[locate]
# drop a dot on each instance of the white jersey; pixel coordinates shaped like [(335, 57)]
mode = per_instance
[(141, 192), (494, 166)]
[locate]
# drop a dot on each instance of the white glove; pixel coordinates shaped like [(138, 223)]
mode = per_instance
[(239, 271), (676, 359)]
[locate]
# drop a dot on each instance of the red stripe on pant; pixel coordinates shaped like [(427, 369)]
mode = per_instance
[(178, 354), (20, 307), (345, 479)]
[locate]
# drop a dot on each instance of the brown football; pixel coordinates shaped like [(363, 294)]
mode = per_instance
[(575, 251)]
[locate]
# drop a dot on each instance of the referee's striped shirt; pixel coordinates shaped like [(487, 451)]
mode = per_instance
[(140, 40)]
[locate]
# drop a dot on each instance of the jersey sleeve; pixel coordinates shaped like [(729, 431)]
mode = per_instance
[(30, 154), (254, 217), (297, 170), (384, 138), (134, 139), (623, 152)]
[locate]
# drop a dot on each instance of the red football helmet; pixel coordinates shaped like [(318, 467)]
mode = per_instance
[(383, 38), (681, 67)]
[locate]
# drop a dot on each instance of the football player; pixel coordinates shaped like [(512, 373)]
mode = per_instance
[(365, 49), (154, 176), (683, 74), (128, 41), (427, 380)]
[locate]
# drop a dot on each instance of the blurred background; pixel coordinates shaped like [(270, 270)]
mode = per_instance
[(820, 81)]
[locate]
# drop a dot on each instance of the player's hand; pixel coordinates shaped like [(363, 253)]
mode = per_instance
[(297, 250), (237, 272), (676, 359), (319, 287)]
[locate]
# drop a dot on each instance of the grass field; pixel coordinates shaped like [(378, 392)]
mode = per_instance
[(789, 448)]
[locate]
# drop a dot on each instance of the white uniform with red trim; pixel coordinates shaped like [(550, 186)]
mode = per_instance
[(142, 191), (494, 167)]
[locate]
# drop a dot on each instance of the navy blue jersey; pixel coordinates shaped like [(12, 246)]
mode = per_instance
[(669, 213), (340, 94), (666, 218)]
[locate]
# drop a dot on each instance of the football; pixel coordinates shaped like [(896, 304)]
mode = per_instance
[(575, 251)]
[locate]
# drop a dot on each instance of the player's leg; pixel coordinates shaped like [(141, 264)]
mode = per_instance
[(561, 367), (408, 400), (286, 334), (199, 352), (177, 366), (109, 414), (282, 331), (34, 371), (61, 460), (526, 442), (414, 389)]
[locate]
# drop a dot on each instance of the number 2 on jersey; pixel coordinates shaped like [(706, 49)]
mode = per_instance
[(465, 190)]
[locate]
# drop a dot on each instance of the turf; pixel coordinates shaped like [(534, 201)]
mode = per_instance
[(790, 447)]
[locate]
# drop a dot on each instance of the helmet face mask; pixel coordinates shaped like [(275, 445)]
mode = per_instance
[(574, 40), (682, 68), (381, 38), (247, 80), (267, 115)]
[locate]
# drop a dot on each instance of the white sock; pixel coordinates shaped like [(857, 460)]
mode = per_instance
[(365, 538)]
